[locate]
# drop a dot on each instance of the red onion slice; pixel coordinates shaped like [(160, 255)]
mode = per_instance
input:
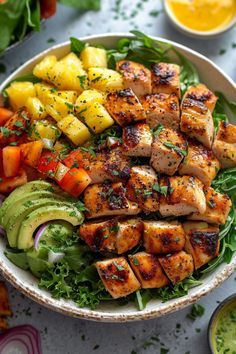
[(21, 339), (39, 234), (2, 231)]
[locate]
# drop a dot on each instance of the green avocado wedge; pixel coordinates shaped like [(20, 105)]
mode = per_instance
[(44, 214), (22, 213), (26, 200), (20, 191)]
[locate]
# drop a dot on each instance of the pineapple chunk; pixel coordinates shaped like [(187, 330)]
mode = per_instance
[(75, 130), (57, 107), (42, 129), (35, 108), (69, 96), (94, 57), (97, 118), (105, 79), (44, 68), (71, 60), (86, 98), (19, 92), (43, 90)]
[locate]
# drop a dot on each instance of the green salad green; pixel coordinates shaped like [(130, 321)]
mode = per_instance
[(74, 276)]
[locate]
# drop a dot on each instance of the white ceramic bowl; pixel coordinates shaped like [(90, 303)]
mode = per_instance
[(194, 33), (216, 80)]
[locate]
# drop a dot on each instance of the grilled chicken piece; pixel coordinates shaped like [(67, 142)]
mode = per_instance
[(140, 188), (129, 234), (202, 242), (135, 76), (148, 270), (200, 162), (162, 108), (137, 140), (184, 195), (202, 94), (14, 130), (124, 107), (217, 207), (163, 236), (100, 236), (117, 277), (108, 199), (165, 78), (110, 164), (197, 122), (168, 149), (114, 235), (224, 146), (177, 266)]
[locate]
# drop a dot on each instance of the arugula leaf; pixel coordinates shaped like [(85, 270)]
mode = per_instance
[(82, 4), (188, 75)]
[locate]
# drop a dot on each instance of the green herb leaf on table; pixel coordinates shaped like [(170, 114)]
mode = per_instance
[(197, 310)]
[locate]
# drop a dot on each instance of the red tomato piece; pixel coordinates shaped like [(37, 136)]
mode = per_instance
[(75, 181), (74, 159), (48, 8), (11, 160), (5, 114), (31, 152), (7, 185), (47, 163)]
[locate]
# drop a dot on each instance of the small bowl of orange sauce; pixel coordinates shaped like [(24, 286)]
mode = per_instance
[(201, 18)]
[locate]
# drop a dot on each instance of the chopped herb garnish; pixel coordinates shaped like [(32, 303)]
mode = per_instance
[(51, 40), (118, 266), (175, 148), (135, 261), (160, 189), (89, 149), (155, 13), (222, 51), (196, 311), (82, 80), (157, 130)]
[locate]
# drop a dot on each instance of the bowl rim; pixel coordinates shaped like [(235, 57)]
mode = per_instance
[(196, 33), (107, 316), (224, 303)]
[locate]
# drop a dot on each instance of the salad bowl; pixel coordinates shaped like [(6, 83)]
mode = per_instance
[(110, 311)]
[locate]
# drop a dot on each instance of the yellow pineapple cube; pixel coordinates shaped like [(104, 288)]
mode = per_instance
[(42, 129), (105, 79), (71, 59), (69, 96), (42, 90), (94, 57), (57, 107), (97, 118), (35, 108), (87, 97), (44, 69), (74, 129), (18, 93)]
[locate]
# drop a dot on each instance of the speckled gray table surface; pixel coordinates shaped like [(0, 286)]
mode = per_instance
[(176, 333)]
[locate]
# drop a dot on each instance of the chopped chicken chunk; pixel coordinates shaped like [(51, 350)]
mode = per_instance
[(224, 146), (202, 242), (124, 107), (165, 78), (162, 108), (163, 236), (197, 122), (108, 199), (135, 76), (200, 162), (140, 188), (202, 94), (148, 270), (110, 164), (137, 140), (117, 277), (217, 207), (129, 234), (184, 195), (177, 266), (168, 150)]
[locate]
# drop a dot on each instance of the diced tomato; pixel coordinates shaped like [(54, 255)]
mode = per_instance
[(31, 152), (11, 160), (7, 185), (74, 159), (75, 181), (5, 115), (47, 163), (48, 8)]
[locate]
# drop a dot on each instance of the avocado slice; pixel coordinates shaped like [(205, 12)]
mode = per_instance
[(22, 213), (20, 191), (26, 200), (44, 214)]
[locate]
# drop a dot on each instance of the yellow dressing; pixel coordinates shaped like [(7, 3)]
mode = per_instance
[(203, 15)]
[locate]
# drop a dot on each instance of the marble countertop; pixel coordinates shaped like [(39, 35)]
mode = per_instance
[(175, 332)]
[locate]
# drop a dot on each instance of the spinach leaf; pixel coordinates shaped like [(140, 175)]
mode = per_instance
[(83, 4)]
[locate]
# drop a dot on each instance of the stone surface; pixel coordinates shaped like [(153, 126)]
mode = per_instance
[(63, 335)]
